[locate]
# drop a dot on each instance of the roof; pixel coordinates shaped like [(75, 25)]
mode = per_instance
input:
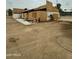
[(17, 10), (36, 9), (44, 8)]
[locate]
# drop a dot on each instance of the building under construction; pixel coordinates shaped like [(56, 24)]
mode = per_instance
[(45, 12)]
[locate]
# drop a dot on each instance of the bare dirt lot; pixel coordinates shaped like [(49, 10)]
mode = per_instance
[(47, 40)]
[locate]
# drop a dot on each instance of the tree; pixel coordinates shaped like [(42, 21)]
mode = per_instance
[(58, 5), (9, 12), (25, 9), (59, 8), (65, 10)]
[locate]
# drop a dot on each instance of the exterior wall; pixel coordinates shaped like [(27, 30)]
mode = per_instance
[(31, 15), (54, 14), (25, 15), (16, 16), (53, 10), (49, 6), (17, 11), (42, 15)]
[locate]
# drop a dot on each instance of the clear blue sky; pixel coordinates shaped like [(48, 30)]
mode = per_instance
[(66, 4)]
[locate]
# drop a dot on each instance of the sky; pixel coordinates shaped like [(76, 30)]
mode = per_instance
[(66, 4)]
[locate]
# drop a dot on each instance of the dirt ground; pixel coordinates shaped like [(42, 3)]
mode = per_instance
[(46, 40)]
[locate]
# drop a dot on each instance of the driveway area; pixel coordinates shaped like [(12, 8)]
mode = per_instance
[(45, 40)]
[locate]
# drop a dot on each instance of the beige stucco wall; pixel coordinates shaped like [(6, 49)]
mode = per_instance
[(42, 15), (36, 15), (53, 10), (24, 15), (31, 15)]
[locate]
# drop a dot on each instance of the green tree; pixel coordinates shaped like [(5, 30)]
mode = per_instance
[(65, 10), (25, 9), (58, 5), (59, 8), (9, 12)]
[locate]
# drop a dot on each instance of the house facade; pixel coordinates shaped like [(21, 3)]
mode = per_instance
[(17, 13), (42, 13)]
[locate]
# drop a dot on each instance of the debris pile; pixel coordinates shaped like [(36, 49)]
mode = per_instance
[(22, 21)]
